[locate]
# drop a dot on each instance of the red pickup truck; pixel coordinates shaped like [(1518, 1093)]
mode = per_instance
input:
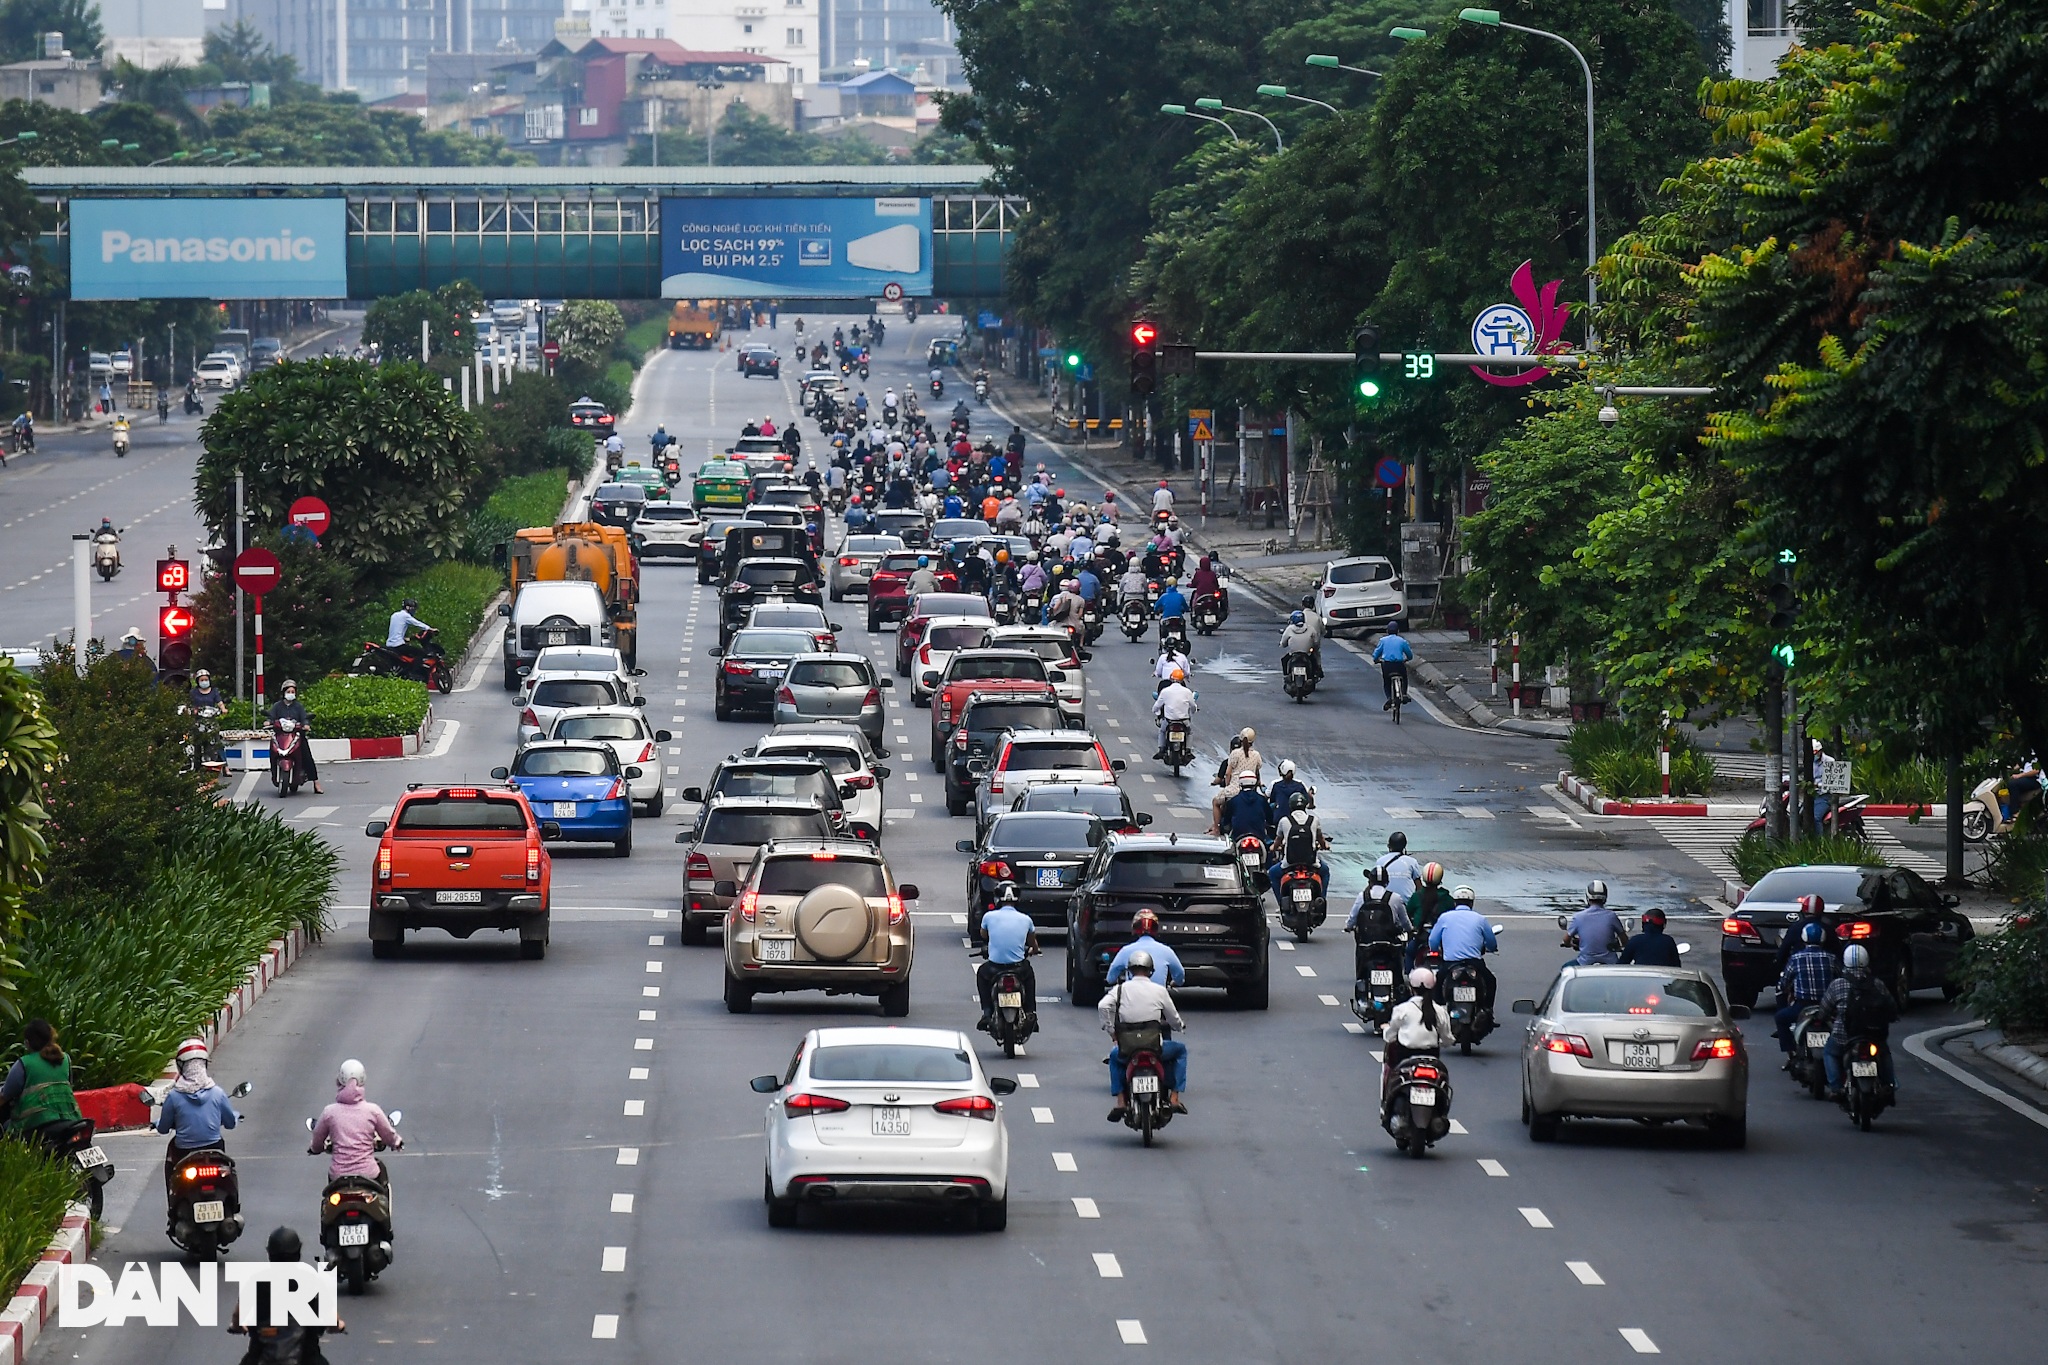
[(982, 670), (461, 859)]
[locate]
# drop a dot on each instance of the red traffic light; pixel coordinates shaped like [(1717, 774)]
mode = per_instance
[(174, 623), (173, 575), (1144, 334)]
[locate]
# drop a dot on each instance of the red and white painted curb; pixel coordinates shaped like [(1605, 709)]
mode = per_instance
[(249, 750), (111, 1109), (1588, 795)]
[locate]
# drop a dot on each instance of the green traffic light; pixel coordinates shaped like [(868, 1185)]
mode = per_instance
[(1783, 654), (1368, 388), (1073, 360)]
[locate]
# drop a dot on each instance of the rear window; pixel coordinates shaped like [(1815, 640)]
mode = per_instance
[(771, 642), (1105, 801), (797, 786), (899, 563), (759, 826), (1173, 869), (620, 492), (975, 666), (899, 518), (669, 511), (777, 516), (958, 637), (871, 544), (1032, 716), (899, 1062), (1052, 651), (1046, 753), (953, 604), (1044, 831), (1361, 573), (600, 727), (434, 813), (716, 530), (1631, 993), (574, 692), (794, 876), (828, 674), (556, 659), (781, 614), (1836, 886), (959, 528), (836, 758), (566, 763)]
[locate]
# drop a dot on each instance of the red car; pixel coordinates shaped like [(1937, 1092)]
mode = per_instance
[(889, 589), (919, 615)]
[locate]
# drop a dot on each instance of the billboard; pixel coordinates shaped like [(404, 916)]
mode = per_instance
[(794, 248), (209, 248)]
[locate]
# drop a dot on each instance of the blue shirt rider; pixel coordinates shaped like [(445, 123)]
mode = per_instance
[(1392, 654), (1145, 924), (1011, 937), (1597, 930), (1172, 602), (952, 506), (1091, 586), (1248, 813)]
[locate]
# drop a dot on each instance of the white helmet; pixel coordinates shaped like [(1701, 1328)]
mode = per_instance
[(351, 1070), (192, 1050), (1286, 767)]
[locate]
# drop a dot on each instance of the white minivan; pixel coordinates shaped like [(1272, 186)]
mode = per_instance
[(552, 613)]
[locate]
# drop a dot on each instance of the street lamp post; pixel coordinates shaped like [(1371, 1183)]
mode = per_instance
[(1184, 112), (1278, 144), (1281, 92), (1490, 18), (25, 135), (1324, 59)]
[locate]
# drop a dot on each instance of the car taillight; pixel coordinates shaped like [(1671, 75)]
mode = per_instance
[(960, 738), (1568, 1043), (647, 754), (995, 786), (873, 698), (1713, 1049), (698, 866), (1855, 929), (972, 1106), (1742, 929), (896, 910), (860, 781), (796, 1106), (750, 904), (824, 640), (527, 717), (384, 863), (783, 694), (738, 669), (996, 868), (924, 654), (1329, 591), (848, 561), (618, 789)]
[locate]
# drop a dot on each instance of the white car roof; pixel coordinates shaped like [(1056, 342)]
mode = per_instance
[(912, 1037), (623, 712), (587, 658)]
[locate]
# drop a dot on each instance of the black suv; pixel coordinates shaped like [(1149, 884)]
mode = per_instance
[(985, 717), (1209, 914), (754, 581)]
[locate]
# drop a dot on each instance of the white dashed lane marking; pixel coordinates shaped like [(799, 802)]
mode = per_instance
[(1304, 969), (1106, 1266), (1584, 1270), (604, 1327), (1131, 1330), (636, 1109), (614, 1261), (622, 1203), (1492, 1167), (629, 1156), (1536, 1218), (1064, 1161), (1640, 1341), (1040, 1114), (1085, 1208)]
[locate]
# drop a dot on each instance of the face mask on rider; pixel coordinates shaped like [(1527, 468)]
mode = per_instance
[(291, 694)]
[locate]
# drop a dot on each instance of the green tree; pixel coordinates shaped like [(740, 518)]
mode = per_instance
[(392, 324), (386, 446), (29, 750), (23, 22), (586, 329), (312, 623)]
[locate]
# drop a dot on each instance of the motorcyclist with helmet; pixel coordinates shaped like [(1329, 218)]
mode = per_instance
[(1429, 901), (1138, 999), (289, 707), (1011, 940), (1298, 841), (1596, 931), (1175, 702), (402, 621), (924, 578), (1856, 1005), (1299, 638), (1376, 918), (1144, 932), (280, 1343), (1808, 974), (1462, 934), (1652, 947), (1398, 867), (1417, 1027), (355, 1125), (195, 1112), (1282, 792)]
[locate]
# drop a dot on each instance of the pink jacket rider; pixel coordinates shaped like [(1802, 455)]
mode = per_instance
[(354, 1124)]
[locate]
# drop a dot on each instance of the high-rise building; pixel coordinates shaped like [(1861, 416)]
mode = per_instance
[(894, 35), (389, 41)]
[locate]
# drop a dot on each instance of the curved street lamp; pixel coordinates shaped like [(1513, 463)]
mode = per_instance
[(1278, 144), (1281, 92), (1326, 60), (1183, 111)]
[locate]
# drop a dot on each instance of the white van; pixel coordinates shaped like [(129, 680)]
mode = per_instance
[(552, 613)]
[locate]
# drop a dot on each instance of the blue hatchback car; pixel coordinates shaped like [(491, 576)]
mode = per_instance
[(581, 787)]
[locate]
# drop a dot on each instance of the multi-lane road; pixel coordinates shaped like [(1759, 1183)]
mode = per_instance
[(582, 1178)]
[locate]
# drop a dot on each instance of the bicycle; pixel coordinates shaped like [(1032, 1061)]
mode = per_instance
[(1400, 695)]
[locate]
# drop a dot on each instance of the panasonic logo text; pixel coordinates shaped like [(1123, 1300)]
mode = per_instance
[(116, 244)]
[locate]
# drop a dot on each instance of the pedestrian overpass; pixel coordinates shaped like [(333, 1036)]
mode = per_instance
[(554, 232)]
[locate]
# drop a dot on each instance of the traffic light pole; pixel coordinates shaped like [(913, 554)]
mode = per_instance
[(81, 596)]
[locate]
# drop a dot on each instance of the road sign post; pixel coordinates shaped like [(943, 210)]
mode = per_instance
[(1202, 431), (258, 571)]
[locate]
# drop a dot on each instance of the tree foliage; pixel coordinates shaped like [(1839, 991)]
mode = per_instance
[(312, 621), (586, 330), (392, 324), (29, 749), (24, 22)]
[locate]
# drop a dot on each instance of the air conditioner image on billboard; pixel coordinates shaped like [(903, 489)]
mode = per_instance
[(893, 251)]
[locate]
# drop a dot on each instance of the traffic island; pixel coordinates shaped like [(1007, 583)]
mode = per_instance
[(1588, 795)]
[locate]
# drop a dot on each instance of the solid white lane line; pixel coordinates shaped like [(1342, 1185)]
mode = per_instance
[(1327, 999), (1040, 1114), (1106, 1266), (622, 1203), (643, 1045), (604, 1327), (636, 1109), (1640, 1340), (1064, 1161), (629, 1156), (1085, 1208), (614, 1260), (1131, 1330), (1492, 1167), (1304, 969), (1584, 1270), (1536, 1218), (1027, 1081)]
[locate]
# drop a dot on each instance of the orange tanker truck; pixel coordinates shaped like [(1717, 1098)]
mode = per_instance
[(584, 552)]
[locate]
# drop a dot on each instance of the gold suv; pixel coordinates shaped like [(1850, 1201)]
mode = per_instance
[(818, 915)]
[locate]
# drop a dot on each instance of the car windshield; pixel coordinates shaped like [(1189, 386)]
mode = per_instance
[(759, 826), (893, 517), (437, 813), (621, 492), (795, 876), (835, 757), (1053, 753), (600, 727), (1836, 886), (972, 666), (1014, 716), (1169, 869), (566, 763), (828, 673), (1105, 801), (567, 692), (1598, 992), (898, 1062), (1043, 831), (767, 643), (1365, 571)]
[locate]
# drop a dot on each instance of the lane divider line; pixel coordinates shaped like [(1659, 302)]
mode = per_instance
[(1535, 1218)]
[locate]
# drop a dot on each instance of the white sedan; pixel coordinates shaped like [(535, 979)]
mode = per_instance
[(624, 730), (887, 1114)]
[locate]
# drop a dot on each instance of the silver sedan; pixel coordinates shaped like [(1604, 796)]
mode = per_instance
[(841, 687), (1654, 1044), (855, 564)]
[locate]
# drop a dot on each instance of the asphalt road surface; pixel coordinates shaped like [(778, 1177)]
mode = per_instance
[(583, 1172)]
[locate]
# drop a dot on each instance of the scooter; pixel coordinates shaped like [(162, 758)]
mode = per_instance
[(1417, 1109), (121, 442), (1991, 809), (981, 390), (1303, 905), (1208, 614), (1251, 856), (286, 738), (163, 409), (1178, 754), (1379, 986), (1174, 631), (1091, 622), (89, 1162), (194, 405), (863, 369), (106, 555), (1470, 1021), (1864, 1093), (1009, 1025), (355, 1222), (206, 1194), (1805, 1064), (1845, 818), (1145, 1108), (420, 659), (1131, 620), (1297, 677), (938, 388)]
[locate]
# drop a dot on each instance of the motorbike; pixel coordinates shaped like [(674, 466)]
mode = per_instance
[(206, 746), (837, 497), (1864, 1093), (1845, 818), (1303, 905), (163, 410), (1145, 1079), (981, 390), (1297, 677), (1009, 1025), (613, 459), (355, 1222), (1208, 614), (1131, 620), (1034, 604), (1470, 1021), (1991, 809), (286, 739), (1091, 622), (1251, 856), (194, 405), (1804, 1064), (1174, 631), (1417, 1109), (205, 1195), (1178, 754), (1379, 987), (1005, 608), (863, 369), (419, 659), (121, 442), (890, 417), (938, 388), (106, 555), (89, 1162)]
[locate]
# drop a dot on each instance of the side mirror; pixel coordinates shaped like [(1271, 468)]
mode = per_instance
[(888, 682), (638, 673), (683, 836), (880, 771), (245, 1088), (639, 701), (523, 670), (764, 1085), (396, 1115), (1116, 765), (1562, 923), (550, 829), (635, 771), (931, 678), (375, 829), (309, 1122), (1738, 1011), (693, 794), (907, 891), (1951, 902), (501, 773), (1002, 1085), (963, 845), (1144, 818), (1522, 1007), (505, 609), (662, 736), (725, 890), (834, 625), (715, 653)]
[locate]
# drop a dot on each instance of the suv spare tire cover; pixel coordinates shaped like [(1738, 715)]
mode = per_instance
[(833, 922), (560, 622)]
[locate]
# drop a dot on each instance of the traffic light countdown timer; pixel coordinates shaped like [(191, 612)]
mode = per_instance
[(173, 624)]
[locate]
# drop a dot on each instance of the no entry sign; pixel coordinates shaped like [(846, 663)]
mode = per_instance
[(312, 514), (257, 571)]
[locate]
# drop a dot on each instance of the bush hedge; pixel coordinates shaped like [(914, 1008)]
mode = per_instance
[(532, 500), (2004, 976), (1754, 854), (35, 1189), (1622, 760), (124, 978), (453, 598)]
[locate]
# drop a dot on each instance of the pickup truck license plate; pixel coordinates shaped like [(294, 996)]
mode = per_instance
[(1382, 978), (1816, 1040), (354, 1234), (1863, 1068), (91, 1157), (562, 810), (1424, 1095), (891, 1121), (1050, 876), (778, 950), (1010, 1000), (1302, 895), (1144, 1085), (1642, 1056), (1465, 993), (210, 1211), (458, 898)]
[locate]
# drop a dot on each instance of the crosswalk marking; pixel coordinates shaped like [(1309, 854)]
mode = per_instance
[(1898, 855), (1705, 841)]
